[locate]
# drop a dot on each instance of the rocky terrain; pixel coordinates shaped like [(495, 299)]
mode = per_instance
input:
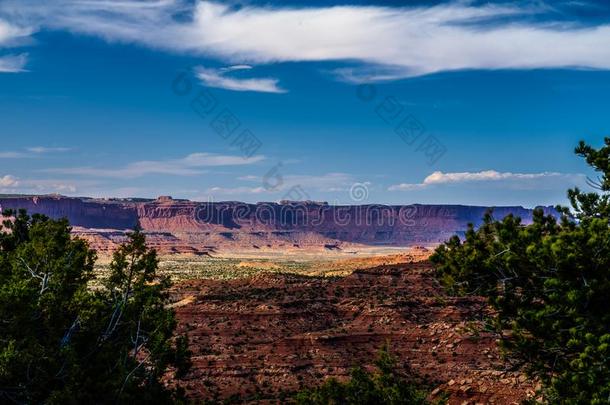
[(260, 338), (181, 226)]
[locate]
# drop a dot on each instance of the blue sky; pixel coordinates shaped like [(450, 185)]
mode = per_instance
[(347, 102)]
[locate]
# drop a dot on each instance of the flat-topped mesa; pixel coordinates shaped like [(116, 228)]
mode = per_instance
[(233, 224)]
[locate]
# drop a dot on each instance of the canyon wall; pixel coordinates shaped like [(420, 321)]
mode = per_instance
[(181, 226)]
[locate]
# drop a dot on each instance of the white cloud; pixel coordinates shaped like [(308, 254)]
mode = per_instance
[(217, 78), (439, 177), (8, 181), (11, 34), (420, 40), (189, 165), (412, 40)]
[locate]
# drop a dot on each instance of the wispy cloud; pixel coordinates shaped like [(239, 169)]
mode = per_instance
[(46, 149), (217, 78), (13, 155), (235, 190), (327, 182), (439, 177), (323, 183), (411, 40), (49, 186), (276, 187), (12, 184), (186, 166), (11, 36), (370, 73), (13, 63), (32, 152)]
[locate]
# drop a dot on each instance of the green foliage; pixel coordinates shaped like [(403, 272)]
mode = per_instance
[(385, 386), (63, 342), (550, 283)]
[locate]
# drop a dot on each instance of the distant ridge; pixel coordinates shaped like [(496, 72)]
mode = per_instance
[(183, 226)]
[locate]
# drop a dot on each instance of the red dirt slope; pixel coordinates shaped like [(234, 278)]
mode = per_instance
[(273, 333)]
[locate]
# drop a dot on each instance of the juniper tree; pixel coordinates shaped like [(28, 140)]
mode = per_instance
[(550, 284), (62, 341)]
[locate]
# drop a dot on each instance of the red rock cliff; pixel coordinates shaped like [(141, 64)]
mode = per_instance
[(298, 224)]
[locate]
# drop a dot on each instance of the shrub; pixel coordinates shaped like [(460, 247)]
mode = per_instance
[(385, 386)]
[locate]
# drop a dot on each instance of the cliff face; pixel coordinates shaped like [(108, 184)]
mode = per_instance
[(79, 212), (185, 226)]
